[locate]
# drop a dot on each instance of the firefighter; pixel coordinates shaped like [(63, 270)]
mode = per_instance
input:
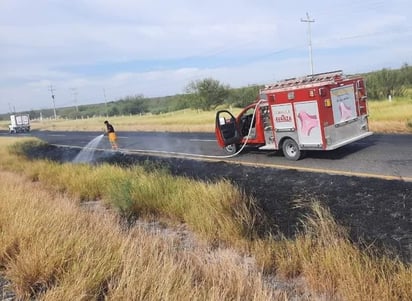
[(111, 135)]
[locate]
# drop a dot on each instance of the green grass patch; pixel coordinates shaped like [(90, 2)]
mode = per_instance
[(22, 149)]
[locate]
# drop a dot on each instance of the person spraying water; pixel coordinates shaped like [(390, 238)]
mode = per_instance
[(111, 135)]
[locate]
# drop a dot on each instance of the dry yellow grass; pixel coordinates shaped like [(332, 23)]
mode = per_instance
[(180, 121), (391, 117), (334, 268), (52, 249), (396, 110), (390, 127)]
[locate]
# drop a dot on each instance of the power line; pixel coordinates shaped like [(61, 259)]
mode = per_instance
[(309, 20)]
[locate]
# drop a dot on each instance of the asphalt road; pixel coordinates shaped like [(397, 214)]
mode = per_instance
[(381, 156)]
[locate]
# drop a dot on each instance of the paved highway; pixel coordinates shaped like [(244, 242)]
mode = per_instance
[(381, 156)]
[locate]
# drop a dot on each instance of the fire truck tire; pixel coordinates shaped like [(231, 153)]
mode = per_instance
[(231, 149), (291, 150)]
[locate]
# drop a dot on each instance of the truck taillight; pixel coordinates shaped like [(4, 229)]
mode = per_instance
[(328, 103)]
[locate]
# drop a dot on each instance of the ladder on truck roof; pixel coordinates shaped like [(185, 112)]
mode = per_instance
[(309, 79)]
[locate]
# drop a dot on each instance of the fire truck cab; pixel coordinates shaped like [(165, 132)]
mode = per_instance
[(316, 112)]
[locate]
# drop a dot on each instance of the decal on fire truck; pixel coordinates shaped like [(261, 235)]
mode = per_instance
[(308, 123), (283, 117), (343, 103)]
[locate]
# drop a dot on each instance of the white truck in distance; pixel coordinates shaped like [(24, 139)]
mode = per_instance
[(19, 123)]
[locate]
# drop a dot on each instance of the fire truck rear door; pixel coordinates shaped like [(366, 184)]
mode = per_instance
[(308, 124), (343, 103)]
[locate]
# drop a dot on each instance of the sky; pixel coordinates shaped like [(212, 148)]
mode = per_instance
[(92, 51)]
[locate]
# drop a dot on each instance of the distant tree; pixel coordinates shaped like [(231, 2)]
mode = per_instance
[(381, 84), (113, 111), (34, 115), (178, 102), (406, 74), (207, 94), (133, 105), (243, 96)]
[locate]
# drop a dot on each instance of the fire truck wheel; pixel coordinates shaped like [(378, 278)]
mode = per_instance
[(291, 150), (231, 149)]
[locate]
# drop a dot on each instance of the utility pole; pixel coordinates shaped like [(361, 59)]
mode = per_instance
[(75, 93), (51, 89), (309, 20)]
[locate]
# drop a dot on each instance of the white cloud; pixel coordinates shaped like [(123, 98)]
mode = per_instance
[(156, 47)]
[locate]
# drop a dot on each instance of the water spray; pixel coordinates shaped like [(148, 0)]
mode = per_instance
[(87, 153)]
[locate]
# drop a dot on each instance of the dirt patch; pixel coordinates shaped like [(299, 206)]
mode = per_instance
[(374, 211)]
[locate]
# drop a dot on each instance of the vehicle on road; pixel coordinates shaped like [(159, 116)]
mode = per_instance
[(316, 112), (19, 123)]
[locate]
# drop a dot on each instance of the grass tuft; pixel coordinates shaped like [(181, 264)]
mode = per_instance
[(23, 149), (334, 267), (66, 253)]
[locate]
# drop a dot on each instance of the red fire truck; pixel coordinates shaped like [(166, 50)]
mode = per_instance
[(316, 112)]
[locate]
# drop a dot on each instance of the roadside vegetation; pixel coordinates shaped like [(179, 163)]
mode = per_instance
[(391, 116), (154, 236), (187, 120), (385, 117), (389, 95)]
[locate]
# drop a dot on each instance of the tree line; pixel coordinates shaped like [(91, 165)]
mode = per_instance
[(388, 83), (203, 94), (209, 93)]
